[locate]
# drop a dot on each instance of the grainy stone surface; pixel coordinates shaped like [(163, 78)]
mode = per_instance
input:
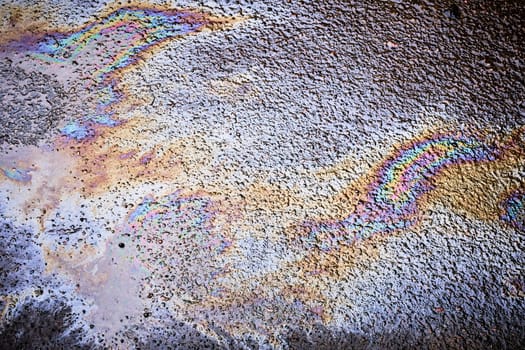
[(262, 174)]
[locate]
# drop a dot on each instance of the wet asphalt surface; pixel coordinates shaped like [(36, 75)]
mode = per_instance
[(309, 84)]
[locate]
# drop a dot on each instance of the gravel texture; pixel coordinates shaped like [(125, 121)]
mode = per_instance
[(262, 175)]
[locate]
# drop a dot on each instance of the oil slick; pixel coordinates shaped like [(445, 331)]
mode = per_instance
[(185, 238), (101, 51), (17, 174), (87, 159), (136, 30), (513, 210), (393, 199), (96, 56), (180, 247)]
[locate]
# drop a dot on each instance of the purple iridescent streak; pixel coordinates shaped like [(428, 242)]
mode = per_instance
[(393, 199)]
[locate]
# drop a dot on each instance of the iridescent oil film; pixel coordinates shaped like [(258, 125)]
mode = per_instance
[(262, 174)]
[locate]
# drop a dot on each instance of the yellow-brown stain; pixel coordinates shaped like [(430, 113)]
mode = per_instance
[(122, 156), (19, 20), (69, 261), (267, 197), (477, 189)]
